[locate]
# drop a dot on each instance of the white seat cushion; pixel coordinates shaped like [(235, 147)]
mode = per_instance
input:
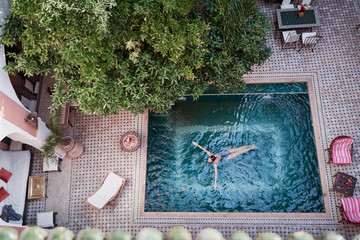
[(29, 104), (107, 191), (285, 2), (15, 146), (37, 87), (307, 34), (286, 6), (286, 35), (51, 164), (29, 85), (45, 219)]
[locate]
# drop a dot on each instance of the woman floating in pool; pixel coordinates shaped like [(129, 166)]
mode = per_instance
[(224, 155)]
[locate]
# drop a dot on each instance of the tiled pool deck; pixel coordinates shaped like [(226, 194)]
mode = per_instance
[(334, 70)]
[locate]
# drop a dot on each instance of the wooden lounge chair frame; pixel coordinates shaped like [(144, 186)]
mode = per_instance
[(332, 144), (116, 196)]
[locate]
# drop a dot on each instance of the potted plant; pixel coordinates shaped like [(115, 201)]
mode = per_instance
[(55, 140), (72, 148)]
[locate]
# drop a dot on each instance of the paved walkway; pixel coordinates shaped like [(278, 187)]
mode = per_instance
[(334, 65)]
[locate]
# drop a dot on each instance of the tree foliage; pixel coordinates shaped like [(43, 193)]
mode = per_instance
[(136, 54)]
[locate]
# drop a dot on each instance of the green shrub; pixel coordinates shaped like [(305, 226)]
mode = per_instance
[(33, 233), (119, 235), (61, 233), (179, 233), (90, 234), (54, 139), (149, 234), (7, 233), (209, 234), (239, 235)]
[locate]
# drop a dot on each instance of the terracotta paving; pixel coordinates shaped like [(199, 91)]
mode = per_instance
[(334, 69)]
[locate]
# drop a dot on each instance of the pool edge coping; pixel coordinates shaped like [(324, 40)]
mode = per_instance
[(315, 107)]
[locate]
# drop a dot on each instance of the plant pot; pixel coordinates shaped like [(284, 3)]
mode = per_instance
[(72, 148), (31, 119)]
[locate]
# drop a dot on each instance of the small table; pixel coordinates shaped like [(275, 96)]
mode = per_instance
[(344, 183), (130, 141), (289, 19), (36, 187)]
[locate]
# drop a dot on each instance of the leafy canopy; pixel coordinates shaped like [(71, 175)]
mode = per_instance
[(136, 54)]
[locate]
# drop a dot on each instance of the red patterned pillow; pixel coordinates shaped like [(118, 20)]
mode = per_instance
[(5, 175), (3, 194)]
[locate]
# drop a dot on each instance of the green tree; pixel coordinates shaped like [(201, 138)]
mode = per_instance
[(135, 54), (235, 42)]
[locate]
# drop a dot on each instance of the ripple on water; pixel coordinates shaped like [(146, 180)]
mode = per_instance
[(280, 176)]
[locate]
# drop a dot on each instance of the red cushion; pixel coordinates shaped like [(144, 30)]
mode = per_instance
[(3, 194), (5, 175)]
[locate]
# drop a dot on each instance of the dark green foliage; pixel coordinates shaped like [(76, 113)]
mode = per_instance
[(55, 137), (273, 1), (136, 55), (235, 42)]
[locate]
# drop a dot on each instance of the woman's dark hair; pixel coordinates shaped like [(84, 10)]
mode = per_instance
[(212, 157)]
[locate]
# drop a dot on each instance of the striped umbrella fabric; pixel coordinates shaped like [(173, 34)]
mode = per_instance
[(340, 151), (351, 208)]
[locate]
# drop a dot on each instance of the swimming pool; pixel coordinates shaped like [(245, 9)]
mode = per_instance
[(281, 176)]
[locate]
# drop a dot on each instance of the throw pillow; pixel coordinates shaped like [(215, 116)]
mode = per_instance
[(3, 194), (5, 175)]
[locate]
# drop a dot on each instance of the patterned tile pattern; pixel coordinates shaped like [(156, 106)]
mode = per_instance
[(334, 66)]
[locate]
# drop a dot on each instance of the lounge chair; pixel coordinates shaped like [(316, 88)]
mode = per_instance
[(341, 150), (350, 208), (111, 187)]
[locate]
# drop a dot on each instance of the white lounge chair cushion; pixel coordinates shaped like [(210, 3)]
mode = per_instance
[(307, 34), (107, 191), (45, 219)]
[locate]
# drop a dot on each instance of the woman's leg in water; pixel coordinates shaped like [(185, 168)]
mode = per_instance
[(237, 151)]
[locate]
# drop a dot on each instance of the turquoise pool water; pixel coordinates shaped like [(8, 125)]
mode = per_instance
[(282, 175)]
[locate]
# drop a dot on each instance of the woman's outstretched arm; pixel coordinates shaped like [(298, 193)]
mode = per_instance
[(207, 152), (215, 167)]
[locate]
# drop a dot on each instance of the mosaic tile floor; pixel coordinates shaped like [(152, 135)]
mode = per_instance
[(334, 66)]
